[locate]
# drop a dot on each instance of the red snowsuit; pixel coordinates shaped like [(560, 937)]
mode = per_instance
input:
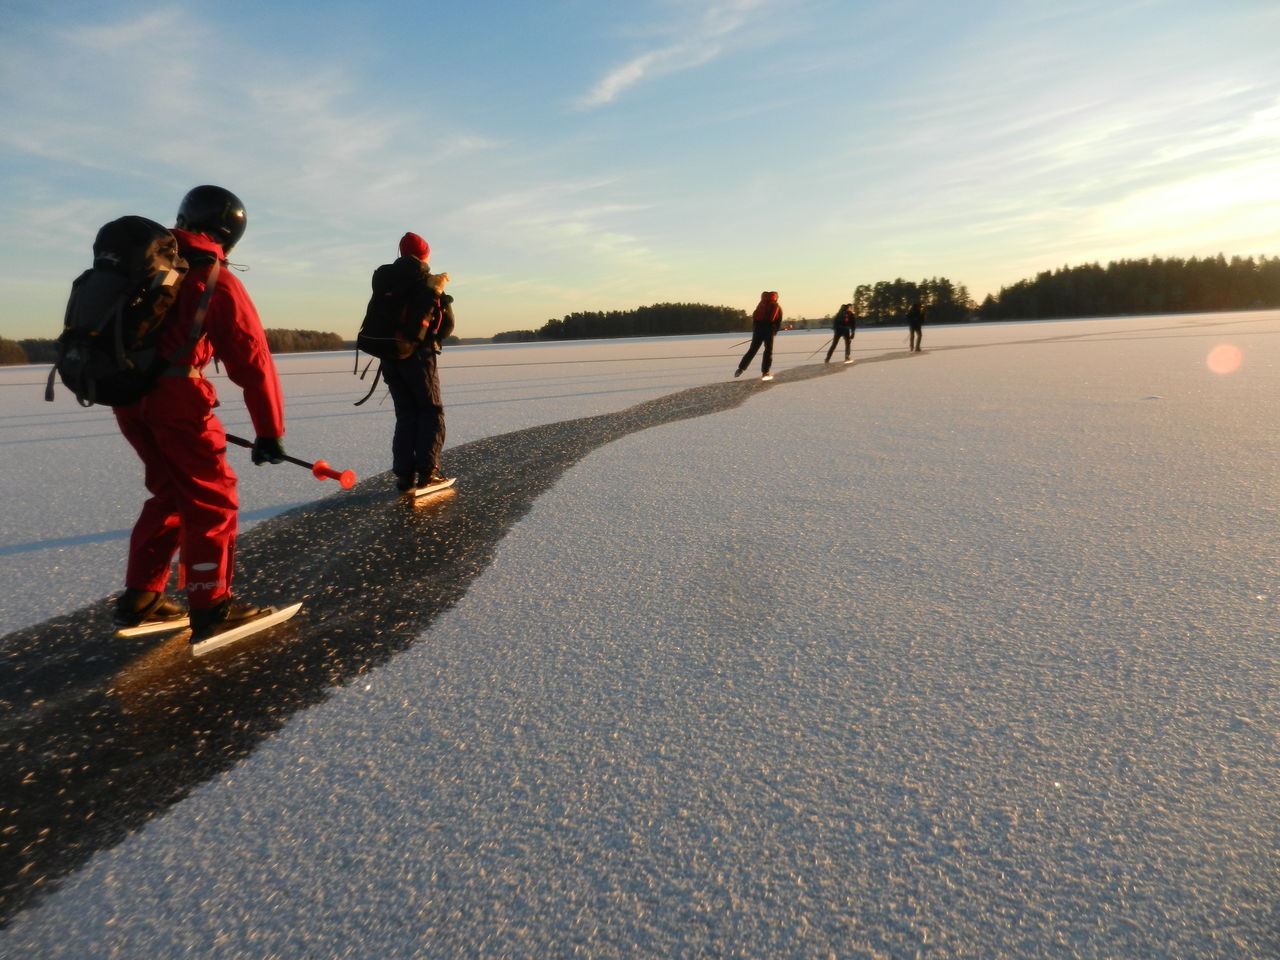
[(193, 508)]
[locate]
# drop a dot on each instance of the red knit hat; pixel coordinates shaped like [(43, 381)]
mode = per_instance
[(412, 245)]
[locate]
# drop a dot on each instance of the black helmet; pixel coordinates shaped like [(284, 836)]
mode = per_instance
[(215, 211)]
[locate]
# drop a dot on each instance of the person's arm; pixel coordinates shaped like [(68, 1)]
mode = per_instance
[(239, 342), (446, 318)]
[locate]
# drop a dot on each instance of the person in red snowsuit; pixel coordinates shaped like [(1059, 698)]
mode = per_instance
[(193, 509)]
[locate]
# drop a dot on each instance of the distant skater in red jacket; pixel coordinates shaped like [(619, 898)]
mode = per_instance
[(764, 325), (193, 510)]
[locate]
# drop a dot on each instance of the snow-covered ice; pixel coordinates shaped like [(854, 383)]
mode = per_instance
[(970, 653), (73, 486)]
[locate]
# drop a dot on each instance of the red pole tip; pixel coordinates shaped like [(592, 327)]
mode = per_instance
[(348, 479)]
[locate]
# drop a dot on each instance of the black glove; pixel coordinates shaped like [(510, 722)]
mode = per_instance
[(267, 450)]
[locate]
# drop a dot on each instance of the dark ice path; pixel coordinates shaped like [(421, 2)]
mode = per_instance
[(99, 735)]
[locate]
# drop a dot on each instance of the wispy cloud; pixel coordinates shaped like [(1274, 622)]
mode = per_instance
[(689, 44), (555, 216), (287, 132)]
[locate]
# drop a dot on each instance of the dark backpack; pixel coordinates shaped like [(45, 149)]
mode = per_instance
[(107, 352), (402, 312), (393, 322)]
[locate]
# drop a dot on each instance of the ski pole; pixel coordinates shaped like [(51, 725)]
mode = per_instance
[(320, 469)]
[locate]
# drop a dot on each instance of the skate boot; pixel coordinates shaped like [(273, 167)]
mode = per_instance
[(212, 621), (136, 607)]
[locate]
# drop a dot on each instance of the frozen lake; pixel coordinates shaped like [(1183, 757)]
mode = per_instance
[(970, 653)]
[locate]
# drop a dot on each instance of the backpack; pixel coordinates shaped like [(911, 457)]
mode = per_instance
[(401, 313), (766, 312), (107, 352), (390, 328)]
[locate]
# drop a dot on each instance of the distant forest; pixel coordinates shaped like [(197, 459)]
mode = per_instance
[(657, 320), (1121, 288), (1141, 287), (279, 341), (889, 300), (1124, 287)]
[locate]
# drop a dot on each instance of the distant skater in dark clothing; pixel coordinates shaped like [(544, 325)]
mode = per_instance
[(915, 320), (764, 324), (412, 378), (845, 325)]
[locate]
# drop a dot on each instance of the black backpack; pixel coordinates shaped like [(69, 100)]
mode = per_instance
[(107, 352), (393, 325)]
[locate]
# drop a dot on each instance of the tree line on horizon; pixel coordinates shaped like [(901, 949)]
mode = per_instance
[(655, 320), (1147, 286), (1122, 287), (40, 350), (888, 301)]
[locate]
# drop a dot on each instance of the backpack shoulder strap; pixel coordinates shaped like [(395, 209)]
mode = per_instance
[(197, 324)]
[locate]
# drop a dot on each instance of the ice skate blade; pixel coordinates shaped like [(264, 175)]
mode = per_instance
[(267, 619)]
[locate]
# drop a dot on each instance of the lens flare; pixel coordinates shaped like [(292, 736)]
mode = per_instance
[(1225, 358)]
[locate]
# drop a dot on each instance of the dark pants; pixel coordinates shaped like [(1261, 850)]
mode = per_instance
[(913, 335), (761, 335), (848, 343), (419, 434)]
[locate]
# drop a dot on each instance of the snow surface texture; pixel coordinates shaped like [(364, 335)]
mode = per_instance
[(970, 653)]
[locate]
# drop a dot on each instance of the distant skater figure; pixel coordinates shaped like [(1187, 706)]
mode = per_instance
[(764, 324), (844, 324), (915, 320)]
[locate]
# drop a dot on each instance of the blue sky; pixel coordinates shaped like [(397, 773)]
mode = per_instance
[(583, 155)]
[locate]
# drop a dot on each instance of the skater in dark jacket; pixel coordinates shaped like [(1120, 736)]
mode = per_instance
[(193, 509), (764, 325), (915, 320), (844, 324), (412, 378)]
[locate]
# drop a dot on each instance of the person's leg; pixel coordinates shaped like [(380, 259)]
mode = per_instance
[(157, 532), (756, 340), (208, 505), (429, 436), (404, 435)]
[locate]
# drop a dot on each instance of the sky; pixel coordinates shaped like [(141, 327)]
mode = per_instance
[(572, 155)]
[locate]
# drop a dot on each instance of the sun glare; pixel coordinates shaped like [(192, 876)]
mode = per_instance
[(1225, 358)]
